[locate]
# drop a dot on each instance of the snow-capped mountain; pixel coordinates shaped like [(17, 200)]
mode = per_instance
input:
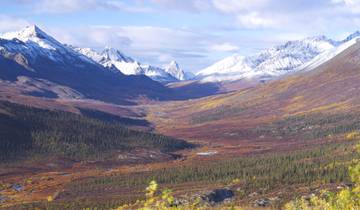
[(174, 70), (270, 63), (33, 42), (114, 59), (51, 68), (331, 53)]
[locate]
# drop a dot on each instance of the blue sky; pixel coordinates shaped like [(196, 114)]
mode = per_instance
[(196, 33)]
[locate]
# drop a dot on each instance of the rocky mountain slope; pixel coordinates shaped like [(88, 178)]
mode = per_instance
[(114, 59), (290, 57), (328, 93), (36, 57)]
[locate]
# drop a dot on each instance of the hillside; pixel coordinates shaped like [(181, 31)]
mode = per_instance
[(114, 59), (270, 64), (55, 70), (327, 94), (28, 133)]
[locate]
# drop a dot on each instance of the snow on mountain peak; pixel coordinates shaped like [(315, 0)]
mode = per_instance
[(174, 63), (34, 42), (268, 63), (113, 54), (32, 33), (328, 54), (114, 59), (174, 70), (356, 34)]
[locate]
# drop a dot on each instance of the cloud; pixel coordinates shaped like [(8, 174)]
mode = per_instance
[(224, 47), (185, 5), (235, 6), (346, 2), (254, 20), (10, 23), (196, 32), (148, 44), (352, 6), (68, 6)]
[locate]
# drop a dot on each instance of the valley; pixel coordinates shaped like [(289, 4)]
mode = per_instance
[(85, 135)]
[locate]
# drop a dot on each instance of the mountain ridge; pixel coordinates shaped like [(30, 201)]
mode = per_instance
[(274, 62), (114, 59), (36, 55)]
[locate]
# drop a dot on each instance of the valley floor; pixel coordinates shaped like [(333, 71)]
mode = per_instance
[(267, 159)]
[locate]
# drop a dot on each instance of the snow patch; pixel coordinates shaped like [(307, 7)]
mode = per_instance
[(207, 153)]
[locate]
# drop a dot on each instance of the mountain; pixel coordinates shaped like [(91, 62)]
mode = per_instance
[(272, 63), (319, 104), (33, 43), (331, 53), (174, 70), (36, 57), (114, 59)]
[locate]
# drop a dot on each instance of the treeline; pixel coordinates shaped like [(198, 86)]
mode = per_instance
[(312, 167), (256, 173), (260, 172), (312, 126), (268, 170), (27, 131)]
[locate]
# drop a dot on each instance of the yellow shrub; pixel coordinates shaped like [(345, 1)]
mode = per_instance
[(346, 199), (355, 135)]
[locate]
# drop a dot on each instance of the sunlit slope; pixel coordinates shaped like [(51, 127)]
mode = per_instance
[(331, 89)]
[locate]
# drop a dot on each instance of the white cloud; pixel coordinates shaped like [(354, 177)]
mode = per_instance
[(67, 6), (224, 47), (235, 6), (351, 6), (254, 20), (218, 25), (148, 44), (9, 23), (60, 6), (347, 2), (187, 5), (165, 58)]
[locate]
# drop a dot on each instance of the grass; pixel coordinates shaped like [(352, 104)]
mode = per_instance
[(326, 164), (312, 126)]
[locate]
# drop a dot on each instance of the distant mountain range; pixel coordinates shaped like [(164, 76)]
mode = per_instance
[(39, 42), (114, 59), (290, 57), (320, 103), (37, 64), (34, 63)]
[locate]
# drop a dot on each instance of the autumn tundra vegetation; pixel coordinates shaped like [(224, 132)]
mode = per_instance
[(346, 199), (81, 129)]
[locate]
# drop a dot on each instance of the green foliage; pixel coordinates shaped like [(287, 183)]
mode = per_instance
[(164, 200), (312, 126), (26, 131), (345, 199), (255, 172), (269, 169)]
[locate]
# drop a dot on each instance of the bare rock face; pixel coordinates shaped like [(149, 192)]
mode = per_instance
[(17, 57), (262, 202), (208, 198), (21, 60), (218, 195)]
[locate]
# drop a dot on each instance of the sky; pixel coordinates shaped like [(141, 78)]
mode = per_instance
[(195, 33)]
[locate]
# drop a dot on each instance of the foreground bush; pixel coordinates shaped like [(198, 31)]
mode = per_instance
[(346, 199)]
